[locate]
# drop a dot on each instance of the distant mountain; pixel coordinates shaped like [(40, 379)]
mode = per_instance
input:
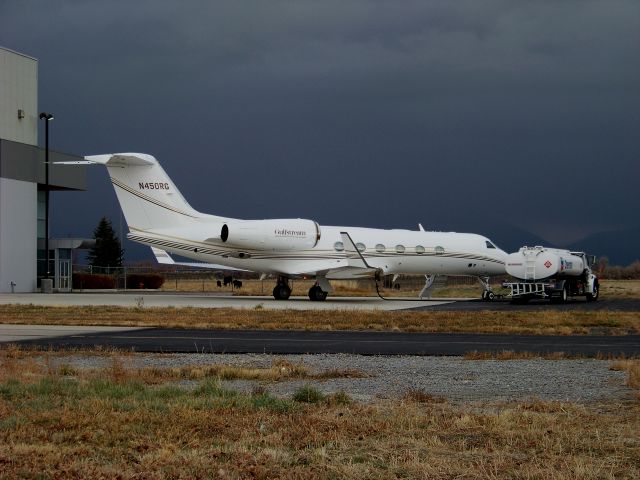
[(622, 247)]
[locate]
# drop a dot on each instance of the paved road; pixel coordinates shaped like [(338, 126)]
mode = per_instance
[(366, 343)]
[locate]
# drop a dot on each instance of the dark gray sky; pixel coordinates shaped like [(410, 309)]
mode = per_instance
[(460, 115)]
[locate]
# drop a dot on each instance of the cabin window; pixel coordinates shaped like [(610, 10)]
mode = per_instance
[(419, 249), (490, 245), (380, 248), (338, 246), (360, 247), (400, 248), (439, 250)]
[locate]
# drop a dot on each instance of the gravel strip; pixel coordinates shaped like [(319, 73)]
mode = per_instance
[(452, 378)]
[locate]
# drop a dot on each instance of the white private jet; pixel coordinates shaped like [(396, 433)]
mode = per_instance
[(159, 216)]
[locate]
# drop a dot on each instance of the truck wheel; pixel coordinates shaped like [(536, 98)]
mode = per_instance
[(592, 297), (561, 296), (564, 295)]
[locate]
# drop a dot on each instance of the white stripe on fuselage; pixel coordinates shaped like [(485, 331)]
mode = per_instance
[(463, 254)]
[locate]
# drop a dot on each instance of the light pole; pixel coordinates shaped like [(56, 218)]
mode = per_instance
[(47, 117)]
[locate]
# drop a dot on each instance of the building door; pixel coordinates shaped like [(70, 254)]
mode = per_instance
[(64, 277)]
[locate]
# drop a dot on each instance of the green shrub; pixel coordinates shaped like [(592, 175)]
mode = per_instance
[(308, 394)]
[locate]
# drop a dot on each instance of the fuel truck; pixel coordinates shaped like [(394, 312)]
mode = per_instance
[(550, 273)]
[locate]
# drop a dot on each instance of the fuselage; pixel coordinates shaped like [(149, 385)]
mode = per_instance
[(392, 251), (159, 216)]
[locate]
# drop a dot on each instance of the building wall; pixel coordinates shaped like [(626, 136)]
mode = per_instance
[(18, 236), (22, 169), (19, 87)]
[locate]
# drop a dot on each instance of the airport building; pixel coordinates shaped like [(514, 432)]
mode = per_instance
[(23, 184)]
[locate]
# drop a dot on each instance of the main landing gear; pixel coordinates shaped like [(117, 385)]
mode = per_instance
[(316, 294), (282, 290)]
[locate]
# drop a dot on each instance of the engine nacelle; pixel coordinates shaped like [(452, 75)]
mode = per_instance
[(275, 235)]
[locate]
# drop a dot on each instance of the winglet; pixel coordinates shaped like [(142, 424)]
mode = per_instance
[(354, 257)]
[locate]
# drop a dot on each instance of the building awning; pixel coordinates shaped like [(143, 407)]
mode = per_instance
[(70, 243)]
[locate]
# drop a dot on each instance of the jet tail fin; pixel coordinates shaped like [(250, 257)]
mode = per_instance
[(148, 197)]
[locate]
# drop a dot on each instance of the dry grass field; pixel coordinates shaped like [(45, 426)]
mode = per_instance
[(532, 322), (57, 421)]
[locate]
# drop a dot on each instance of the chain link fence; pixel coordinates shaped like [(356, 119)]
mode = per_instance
[(198, 280)]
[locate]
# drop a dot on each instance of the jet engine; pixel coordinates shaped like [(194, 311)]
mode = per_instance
[(275, 235)]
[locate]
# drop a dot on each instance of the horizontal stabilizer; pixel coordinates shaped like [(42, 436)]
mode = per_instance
[(165, 259), (162, 256), (76, 162), (122, 159)]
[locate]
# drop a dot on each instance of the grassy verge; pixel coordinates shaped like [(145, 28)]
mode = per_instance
[(535, 322), (57, 422)]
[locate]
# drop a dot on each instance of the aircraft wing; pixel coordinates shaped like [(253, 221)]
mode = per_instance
[(356, 266), (165, 259)]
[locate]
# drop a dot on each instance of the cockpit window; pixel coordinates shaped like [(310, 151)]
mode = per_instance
[(490, 245)]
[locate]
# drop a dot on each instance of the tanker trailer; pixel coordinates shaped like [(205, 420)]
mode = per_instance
[(550, 273)]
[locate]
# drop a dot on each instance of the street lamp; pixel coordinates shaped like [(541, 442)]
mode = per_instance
[(47, 117)]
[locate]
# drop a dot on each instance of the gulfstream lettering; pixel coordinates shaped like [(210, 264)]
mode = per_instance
[(282, 232)]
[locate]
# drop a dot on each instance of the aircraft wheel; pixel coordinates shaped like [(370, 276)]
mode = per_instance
[(592, 297), (281, 292), (490, 296), (316, 294)]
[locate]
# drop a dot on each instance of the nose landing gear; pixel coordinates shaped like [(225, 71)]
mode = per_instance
[(487, 292)]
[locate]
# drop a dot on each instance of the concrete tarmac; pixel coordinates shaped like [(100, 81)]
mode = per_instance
[(153, 299)]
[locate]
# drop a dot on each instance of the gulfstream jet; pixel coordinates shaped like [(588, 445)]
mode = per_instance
[(158, 216)]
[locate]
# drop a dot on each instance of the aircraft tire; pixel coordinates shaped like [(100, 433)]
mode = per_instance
[(281, 292), (316, 294)]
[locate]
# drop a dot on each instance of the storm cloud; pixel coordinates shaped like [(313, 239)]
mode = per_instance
[(460, 115)]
